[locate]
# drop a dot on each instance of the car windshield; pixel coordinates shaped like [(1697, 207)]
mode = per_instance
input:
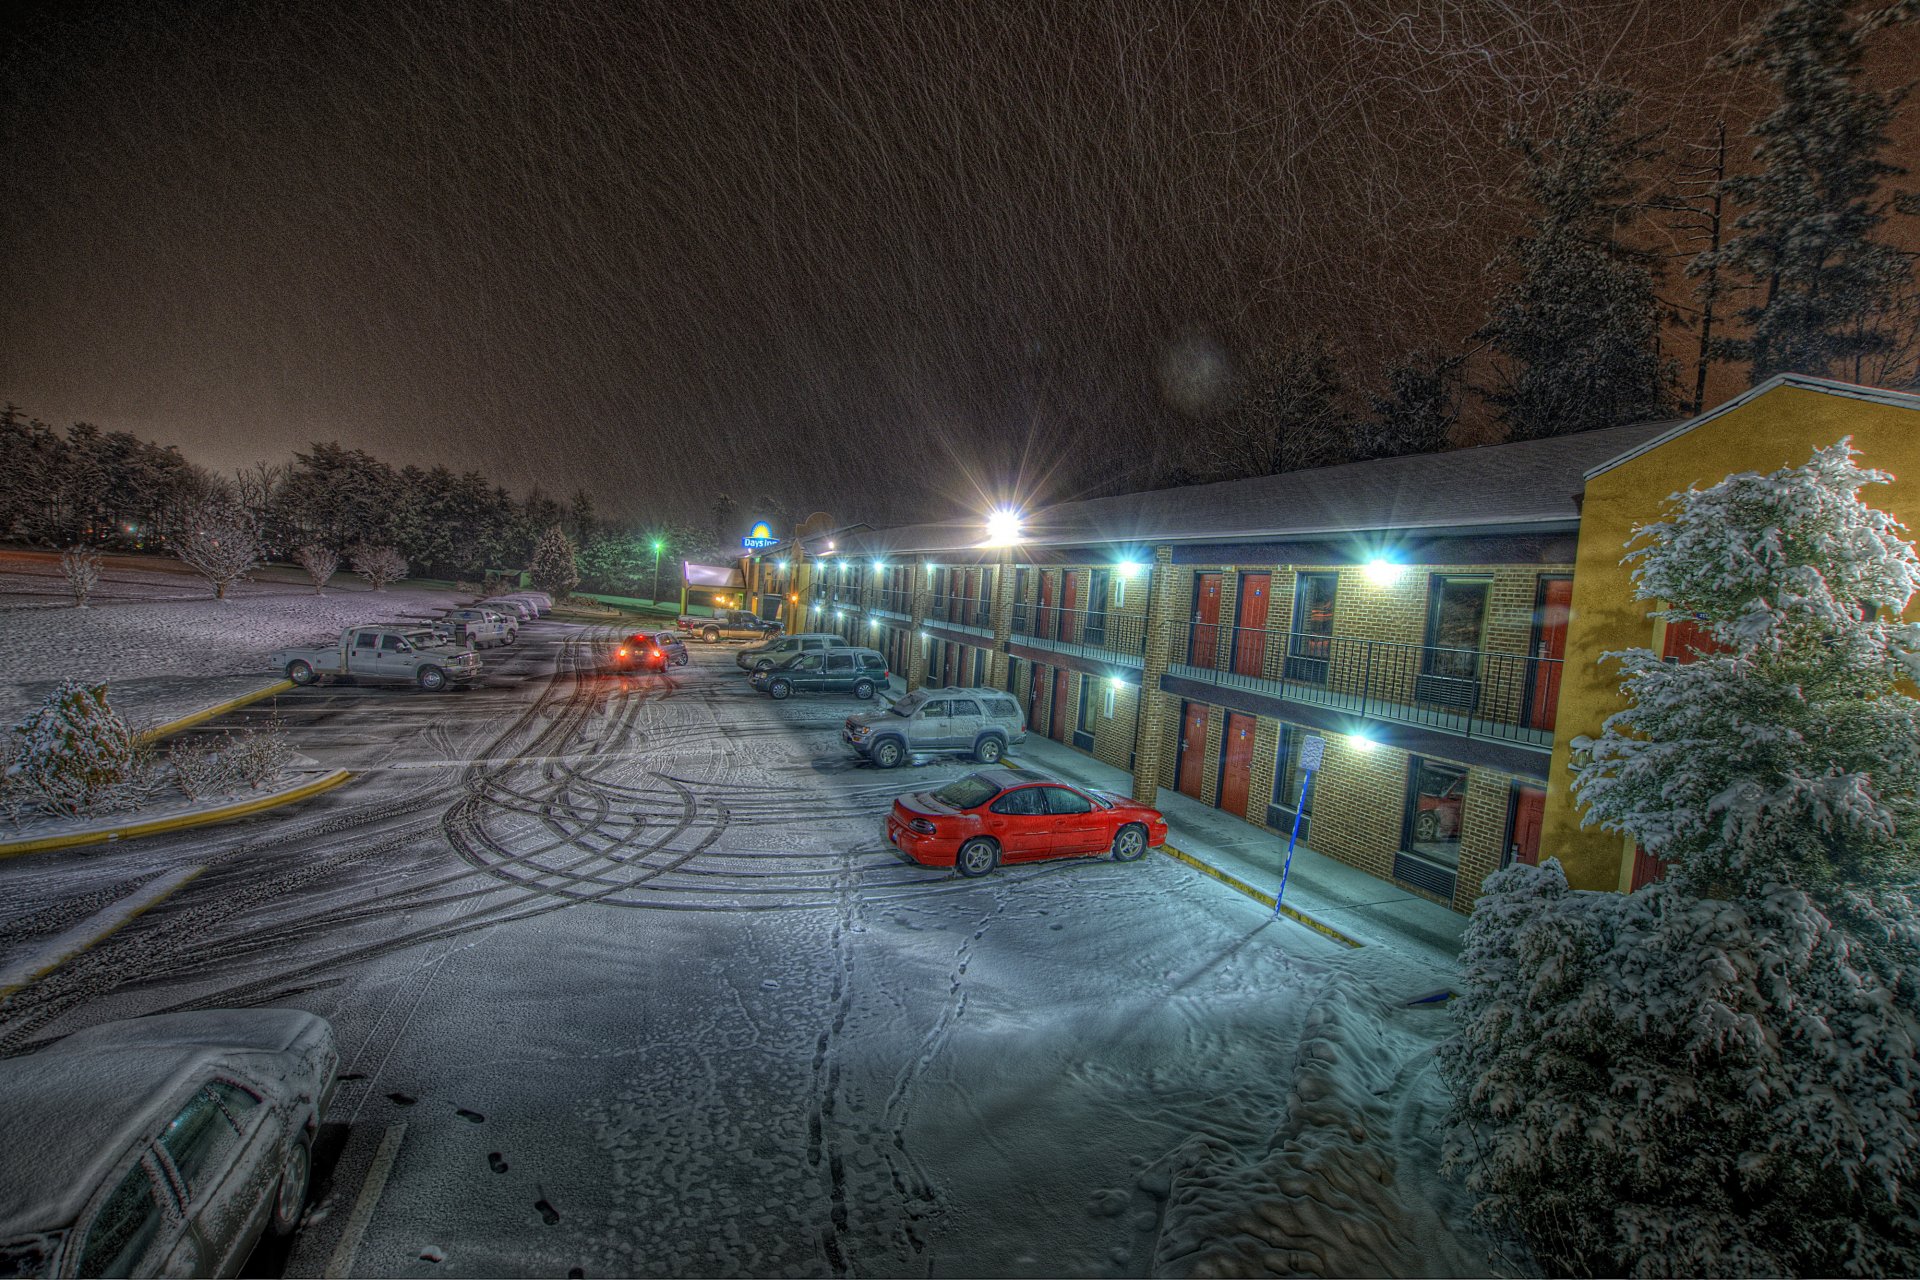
[(909, 704), (967, 793)]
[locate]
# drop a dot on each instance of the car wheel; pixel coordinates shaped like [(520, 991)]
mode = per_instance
[(863, 689), (977, 857), (1129, 842), (1426, 826), (888, 753), (779, 689), (290, 1196), (300, 672), (710, 635), (432, 679), (989, 750)]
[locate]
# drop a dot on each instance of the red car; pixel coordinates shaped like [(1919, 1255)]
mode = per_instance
[(976, 822)]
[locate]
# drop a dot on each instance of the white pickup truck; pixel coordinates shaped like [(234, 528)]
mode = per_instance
[(398, 654)]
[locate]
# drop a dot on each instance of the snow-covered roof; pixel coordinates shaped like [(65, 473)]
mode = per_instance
[(1805, 382), (712, 575), (1522, 486)]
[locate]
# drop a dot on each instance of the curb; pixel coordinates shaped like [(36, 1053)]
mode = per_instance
[(1264, 899), (207, 713), (180, 822)]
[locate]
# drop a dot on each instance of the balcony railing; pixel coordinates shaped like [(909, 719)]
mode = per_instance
[(1471, 692), (1114, 637), (964, 611)]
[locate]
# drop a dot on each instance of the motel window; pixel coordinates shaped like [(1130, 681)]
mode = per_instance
[(1310, 646), (1084, 720), (1456, 625), (1436, 808), (1096, 631), (1287, 777)]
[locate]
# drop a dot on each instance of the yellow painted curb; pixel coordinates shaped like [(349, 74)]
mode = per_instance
[(1264, 899), (208, 713), (204, 818)]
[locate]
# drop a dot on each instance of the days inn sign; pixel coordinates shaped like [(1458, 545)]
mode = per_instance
[(760, 536)]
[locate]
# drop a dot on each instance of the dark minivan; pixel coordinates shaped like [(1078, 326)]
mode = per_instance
[(857, 671)]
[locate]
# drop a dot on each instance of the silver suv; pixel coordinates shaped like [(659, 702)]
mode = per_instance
[(981, 723), (771, 653)]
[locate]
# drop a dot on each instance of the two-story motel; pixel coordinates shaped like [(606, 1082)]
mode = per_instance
[(1440, 620)]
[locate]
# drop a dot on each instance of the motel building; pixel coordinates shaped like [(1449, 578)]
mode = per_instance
[(1439, 620)]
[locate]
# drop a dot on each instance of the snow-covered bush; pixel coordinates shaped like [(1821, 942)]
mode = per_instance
[(201, 768), (211, 765), (377, 564), (259, 753), (1717, 1073), (73, 750), (319, 562), (554, 568), (80, 566)]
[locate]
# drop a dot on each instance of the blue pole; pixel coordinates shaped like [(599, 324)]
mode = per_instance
[(1292, 840)]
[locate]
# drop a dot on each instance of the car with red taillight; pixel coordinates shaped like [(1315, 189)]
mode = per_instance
[(648, 651), (975, 823)]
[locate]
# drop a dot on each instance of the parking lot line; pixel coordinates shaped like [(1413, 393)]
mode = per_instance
[(341, 1263), (63, 947)]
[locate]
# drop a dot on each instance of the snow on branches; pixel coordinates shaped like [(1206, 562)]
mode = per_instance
[(554, 567), (379, 565), (80, 566), (319, 562), (72, 751), (215, 535)]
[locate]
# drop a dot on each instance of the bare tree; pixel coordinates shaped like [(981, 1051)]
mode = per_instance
[(377, 564), (81, 567), (214, 534), (319, 562)]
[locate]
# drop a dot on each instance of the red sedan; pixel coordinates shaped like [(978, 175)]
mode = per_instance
[(996, 815)]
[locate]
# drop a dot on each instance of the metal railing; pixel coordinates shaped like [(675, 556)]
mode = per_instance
[(1472, 692), (1088, 633), (969, 611)]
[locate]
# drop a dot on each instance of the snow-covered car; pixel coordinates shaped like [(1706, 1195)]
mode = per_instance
[(485, 627), (542, 602), (392, 654), (981, 723), (524, 610), (167, 1145), (771, 653)]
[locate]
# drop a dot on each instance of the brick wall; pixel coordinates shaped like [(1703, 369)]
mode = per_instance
[(1483, 832), (1113, 734)]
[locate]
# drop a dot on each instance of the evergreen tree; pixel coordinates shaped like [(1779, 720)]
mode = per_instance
[(1579, 328), (1291, 415), (1804, 240), (554, 569), (1715, 1073), (1417, 412), (582, 524)]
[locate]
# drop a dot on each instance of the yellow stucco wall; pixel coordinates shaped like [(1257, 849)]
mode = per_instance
[(1780, 426)]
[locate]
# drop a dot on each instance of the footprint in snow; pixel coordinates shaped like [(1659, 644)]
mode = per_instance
[(495, 1163), (402, 1099), (473, 1116), (548, 1214), (431, 1254)]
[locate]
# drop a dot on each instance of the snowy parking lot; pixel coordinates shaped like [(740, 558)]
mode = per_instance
[(628, 981)]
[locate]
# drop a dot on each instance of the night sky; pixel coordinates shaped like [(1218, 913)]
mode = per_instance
[(894, 260)]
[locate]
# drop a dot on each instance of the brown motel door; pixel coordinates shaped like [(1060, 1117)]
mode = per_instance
[(1069, 592), (1236, 763), (1550, 643), (1206, 620), (1529, 809), (1057, 722), (1250, 637), (1193, 747)]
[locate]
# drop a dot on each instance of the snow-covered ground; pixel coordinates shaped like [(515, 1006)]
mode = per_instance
[(626, 980), (158, 638)]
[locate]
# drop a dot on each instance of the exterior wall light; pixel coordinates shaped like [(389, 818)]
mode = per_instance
[(1382, 573), (1361, 742), (1003, 527), (1130, 568)]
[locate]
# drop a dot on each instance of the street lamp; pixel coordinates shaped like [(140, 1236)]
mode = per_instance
[(658, 547)]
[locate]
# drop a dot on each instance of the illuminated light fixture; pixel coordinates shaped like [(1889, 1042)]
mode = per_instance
[(1130, 568), (839, 613), (1003, 527), (782, 564), (1382, 572), (1360, 742), (829, 544), (874, 623), (793, 597)]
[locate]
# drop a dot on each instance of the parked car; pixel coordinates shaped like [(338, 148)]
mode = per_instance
[(1438, 817), (541, 600), (981, 723), (483, 628), (771, 653), (393, 653), (975, 823), (521, 609), (860, 672), (161, 1146), (729, 624), (648, 651)]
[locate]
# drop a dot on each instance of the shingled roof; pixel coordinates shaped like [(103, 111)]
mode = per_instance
[(1524, 486)]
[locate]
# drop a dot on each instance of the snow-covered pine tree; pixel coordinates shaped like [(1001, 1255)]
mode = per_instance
[(1417, 411), (1579, 328), (1805, 238), (73, 749), (1715, 1073), (554, 568)]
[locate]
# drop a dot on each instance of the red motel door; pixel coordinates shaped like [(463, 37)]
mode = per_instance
[(1206, 620), (1687, 640), (1069, 591), (1193, 746), (1549, 641), (1529, 811), (1058, 720), (1646, 868), (1236, 763), (1250, 639)]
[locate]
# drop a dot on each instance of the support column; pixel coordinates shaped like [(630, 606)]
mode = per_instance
[(922, 605), (1000, 617), (1149, 732)]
